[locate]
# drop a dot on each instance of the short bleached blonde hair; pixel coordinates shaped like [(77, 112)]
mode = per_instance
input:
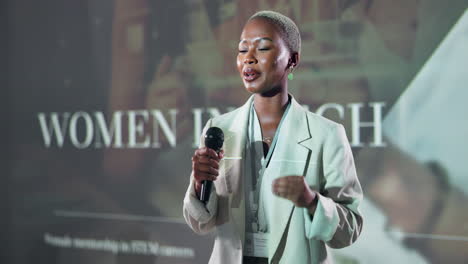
[(288, 29)]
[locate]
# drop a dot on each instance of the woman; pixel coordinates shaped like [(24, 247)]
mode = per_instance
[(285, 186)]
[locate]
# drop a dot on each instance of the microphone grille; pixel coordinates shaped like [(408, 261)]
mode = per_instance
[(214, 138)]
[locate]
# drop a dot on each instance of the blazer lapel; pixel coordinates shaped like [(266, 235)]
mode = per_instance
[(234, 147), (293, 156)]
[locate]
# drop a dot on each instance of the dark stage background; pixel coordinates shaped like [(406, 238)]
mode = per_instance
[(106, 100)]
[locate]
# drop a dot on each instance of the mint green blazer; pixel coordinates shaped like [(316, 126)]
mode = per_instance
[(317, 149)]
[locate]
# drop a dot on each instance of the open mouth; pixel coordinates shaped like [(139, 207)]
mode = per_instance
[(250, 74)]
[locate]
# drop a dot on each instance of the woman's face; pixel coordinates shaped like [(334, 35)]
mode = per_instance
[(263, 57)]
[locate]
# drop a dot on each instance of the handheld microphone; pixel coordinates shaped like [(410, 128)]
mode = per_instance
[(214, 139)]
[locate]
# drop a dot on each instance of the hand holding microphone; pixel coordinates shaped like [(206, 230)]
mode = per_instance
[(205, 162)]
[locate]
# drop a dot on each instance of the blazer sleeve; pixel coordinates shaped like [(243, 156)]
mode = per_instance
[(337, 220), (200, 217)]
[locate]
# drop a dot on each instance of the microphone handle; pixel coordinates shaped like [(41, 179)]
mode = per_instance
[(206, 188), (205, 191)]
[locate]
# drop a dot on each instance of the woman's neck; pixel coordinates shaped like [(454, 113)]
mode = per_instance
[(270, 109)]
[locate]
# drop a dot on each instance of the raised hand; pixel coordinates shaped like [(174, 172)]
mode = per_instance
[(295, 189)]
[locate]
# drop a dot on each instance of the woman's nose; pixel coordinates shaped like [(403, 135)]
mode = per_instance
[(249, 59)]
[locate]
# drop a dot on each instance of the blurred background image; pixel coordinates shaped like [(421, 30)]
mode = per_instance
[(106, 102)]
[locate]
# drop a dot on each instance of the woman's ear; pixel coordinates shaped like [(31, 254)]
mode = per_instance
[(293, 60)]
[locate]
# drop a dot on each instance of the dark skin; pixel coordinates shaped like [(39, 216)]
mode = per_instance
[(263, 51), (263, 62)]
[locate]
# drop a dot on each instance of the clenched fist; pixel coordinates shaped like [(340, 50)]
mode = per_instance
[(205, 166), (295, 189)]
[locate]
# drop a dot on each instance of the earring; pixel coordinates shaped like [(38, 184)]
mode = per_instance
[(291, 75)]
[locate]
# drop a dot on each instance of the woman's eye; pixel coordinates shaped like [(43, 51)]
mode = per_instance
[(242, 51), (263, 49)]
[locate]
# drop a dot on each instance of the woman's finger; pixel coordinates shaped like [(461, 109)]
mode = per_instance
[(208, 161), (207, 152), (205, 168)]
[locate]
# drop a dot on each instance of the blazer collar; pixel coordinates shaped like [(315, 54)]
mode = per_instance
[(297, 125), (297, 118)]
